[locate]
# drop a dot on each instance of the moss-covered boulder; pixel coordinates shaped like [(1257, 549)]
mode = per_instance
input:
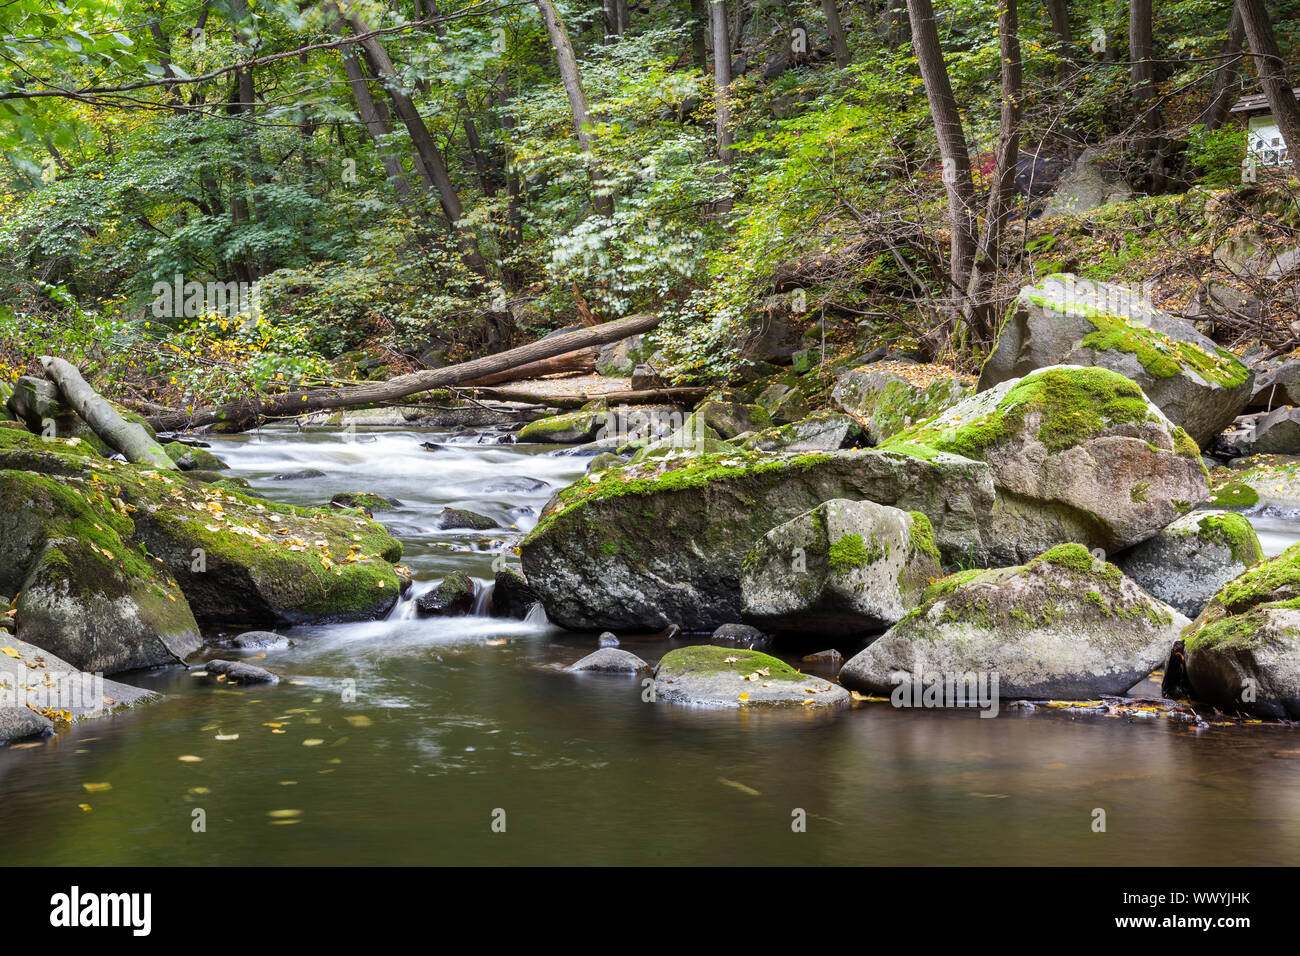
[(889, 397), (21, 450), (1066, 625), (708, 676), (1076, 454), (654, 544), (823, 431), (562, 429), (364, 501), (85, 590), (511, 596), (729, 419), (1264, 483), (192, 458), (1064, 320), (845, 567), (454, 595), (238, 559), (1243, 650), (463, 518), (1192, 558)]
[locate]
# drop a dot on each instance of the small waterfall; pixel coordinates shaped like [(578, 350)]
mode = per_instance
[(536, 615), (483, 602)]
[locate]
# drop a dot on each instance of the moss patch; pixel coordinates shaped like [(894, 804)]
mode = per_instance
[(1236, 533), (707, 659)]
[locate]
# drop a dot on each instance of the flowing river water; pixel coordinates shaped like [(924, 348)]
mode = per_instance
[(461, 723)]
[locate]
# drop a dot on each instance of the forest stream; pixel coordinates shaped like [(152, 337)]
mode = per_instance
[(460, 723)]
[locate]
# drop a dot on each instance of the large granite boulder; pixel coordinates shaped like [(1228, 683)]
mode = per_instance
[(1065, 320), (845, 567), (1066, 625), (889, 397), (1076, 454), (1243, 651), (1193, 557)]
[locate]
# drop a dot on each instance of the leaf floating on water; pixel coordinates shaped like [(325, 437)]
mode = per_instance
[(360, 720), (84, 807), (288, 783), (189, 758), (283, 814), (313, 742), (200, 791), (739, 786), (227, 736), (97, 787)]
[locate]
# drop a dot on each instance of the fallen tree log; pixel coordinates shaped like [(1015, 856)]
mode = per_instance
[(583, 360), (248, 412), (645, 396), (127, 437)]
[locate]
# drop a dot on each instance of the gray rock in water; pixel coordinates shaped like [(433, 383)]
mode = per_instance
[(299, 475), (54, 688), (511, 595), (831, 657), (709, 676), (251, 640), (1192, 558), (516, 486), (1065, 320), (240, 673), (608, 640), (1277, 433), (450, 518), (845, 567), (740, 635), (610, 660), (454, 595), (1066, 625)]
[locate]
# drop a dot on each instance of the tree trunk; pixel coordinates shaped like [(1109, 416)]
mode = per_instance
[(374, 117), (583, 360), (1003, 187), (248, 412), (721, 78), (838, 41), (572, 80), (1272, 74), (127, 437), (472, 141), (1059, 12), (952, 143), (1225, 78), (699, 34), (1142, 77), (431, 165)]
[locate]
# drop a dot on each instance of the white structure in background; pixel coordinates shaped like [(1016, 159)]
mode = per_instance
[(1263, 138)]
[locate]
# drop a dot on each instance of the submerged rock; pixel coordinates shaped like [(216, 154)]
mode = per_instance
[(845, 567), (1187, 562), (1067, 625), (740, 635), (299, 475), (610, 660), (237, 672), (455, 595), (451, 518), (719, 677), (255, 640), (1064, 320), (511, 595), (364, 501), (1243, 651), (607, 639)]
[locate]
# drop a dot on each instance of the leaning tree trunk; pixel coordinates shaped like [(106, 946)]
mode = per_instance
[(952, 143), (248, 412), (572, 80), (1272, 74), (374, 117), (127, 437)]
